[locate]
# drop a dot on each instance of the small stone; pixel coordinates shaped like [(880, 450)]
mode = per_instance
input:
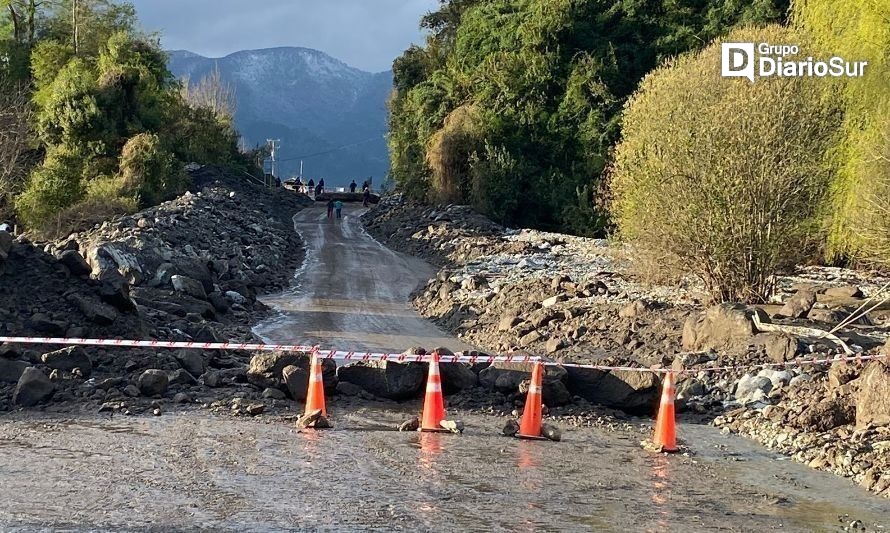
[(156, 411), (410, 425), (551, 432), (274, 394), (454, 426), (182, 397), (511, 428)]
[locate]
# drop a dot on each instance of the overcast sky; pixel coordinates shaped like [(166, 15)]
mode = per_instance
[(367, 34)]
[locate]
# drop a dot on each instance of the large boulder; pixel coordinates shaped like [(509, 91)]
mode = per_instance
[(32, 388), (192, 361), (799, 305), (777, 345), (507, 378), (457, 377), (153, 382), (720, 326), (634, 392), (827, 414), (296, 378), (75, 263), (100, 313), (386, 379), (266, 369), (187, 285), (67, 359), (873, 399), (752, 388), (11, 371)]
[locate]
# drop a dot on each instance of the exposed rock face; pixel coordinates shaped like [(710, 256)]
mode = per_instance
[(32, 388)]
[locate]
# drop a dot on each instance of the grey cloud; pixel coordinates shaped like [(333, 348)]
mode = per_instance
[(367, 34)]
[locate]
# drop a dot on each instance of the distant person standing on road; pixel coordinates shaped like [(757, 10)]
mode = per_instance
[(366, 197), (311, 184), (321, 184), (330, 208), (352, 186), (338, 206)]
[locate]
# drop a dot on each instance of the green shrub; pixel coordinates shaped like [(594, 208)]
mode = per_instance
[(52, 187), (149, 171), (724, 178)]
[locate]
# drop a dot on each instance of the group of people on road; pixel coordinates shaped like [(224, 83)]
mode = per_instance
[(335, 206)]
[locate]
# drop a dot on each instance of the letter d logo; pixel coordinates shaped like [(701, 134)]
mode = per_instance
[(737, 60)]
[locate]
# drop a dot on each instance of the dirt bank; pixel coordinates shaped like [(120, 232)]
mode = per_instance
[(189, 269), (577, 300)]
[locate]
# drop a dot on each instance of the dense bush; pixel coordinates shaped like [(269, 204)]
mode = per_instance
[(149, 171), (724, 178), (857, 31), (545, 80), (115, 126)]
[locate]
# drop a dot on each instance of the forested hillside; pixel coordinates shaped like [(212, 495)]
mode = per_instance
[(94, 122), (601, 117)]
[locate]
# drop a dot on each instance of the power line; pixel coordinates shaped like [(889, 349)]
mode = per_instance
[(375, 138)]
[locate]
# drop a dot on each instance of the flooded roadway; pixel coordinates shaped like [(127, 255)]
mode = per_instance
[(196, 470), (352, 292), (199, 471)]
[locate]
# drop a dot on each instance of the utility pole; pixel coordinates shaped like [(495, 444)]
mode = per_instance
[(274, 144)]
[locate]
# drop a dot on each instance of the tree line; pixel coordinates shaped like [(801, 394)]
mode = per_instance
[(94, 124), (610, 117)]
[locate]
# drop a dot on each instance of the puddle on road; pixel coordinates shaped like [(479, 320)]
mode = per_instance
[(198, 470)]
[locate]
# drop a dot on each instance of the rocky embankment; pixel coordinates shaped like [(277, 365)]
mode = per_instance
[(188, 269), (577, 300)]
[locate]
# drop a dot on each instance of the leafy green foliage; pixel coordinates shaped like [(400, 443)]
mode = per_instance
[(724, 178), (856, 30), (547, 80), (111, 119), (150, 170)]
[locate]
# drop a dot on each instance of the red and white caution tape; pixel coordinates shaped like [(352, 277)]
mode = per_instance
[(324, 354), (350, 356), (793, 362)]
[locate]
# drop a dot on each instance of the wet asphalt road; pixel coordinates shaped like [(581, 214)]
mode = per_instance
[(351, 293)]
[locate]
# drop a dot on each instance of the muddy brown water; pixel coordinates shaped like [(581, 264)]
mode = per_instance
[(199, 471)]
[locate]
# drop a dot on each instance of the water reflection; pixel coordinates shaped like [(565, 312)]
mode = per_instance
[(659, 478)]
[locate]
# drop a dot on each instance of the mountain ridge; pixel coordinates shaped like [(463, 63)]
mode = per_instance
[(316, 104)]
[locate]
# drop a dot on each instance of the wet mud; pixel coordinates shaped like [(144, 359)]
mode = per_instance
[(196, 470)]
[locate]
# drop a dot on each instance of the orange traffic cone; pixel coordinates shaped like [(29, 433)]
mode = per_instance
[(530, 425), (315, 393), (665, 426), (433, 403)]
